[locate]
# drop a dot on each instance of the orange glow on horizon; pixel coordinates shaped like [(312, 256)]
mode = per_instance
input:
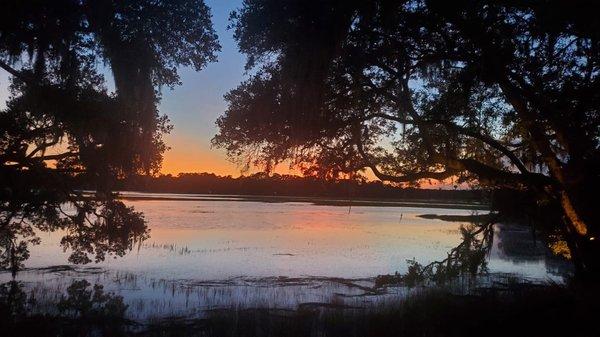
[(176, 162), (187, 156)]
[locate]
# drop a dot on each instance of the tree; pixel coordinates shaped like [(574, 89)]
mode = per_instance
[(495, 93), (63, 129)]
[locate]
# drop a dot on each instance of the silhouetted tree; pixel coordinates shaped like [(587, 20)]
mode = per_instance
[(498, 93), (62, 125)]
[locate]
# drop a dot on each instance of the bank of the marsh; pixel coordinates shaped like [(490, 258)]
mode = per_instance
[(507, 309)]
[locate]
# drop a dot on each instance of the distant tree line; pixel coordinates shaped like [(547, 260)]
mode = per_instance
[(288, 185)]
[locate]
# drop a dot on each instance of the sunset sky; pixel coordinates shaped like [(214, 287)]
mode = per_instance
[(194, 106)]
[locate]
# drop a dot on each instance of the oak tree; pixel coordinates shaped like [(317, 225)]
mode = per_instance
[(65, 126), (493, 93)]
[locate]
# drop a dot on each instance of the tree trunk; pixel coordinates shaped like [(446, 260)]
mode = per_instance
[(580, 217), (586, 258), (581, 224)]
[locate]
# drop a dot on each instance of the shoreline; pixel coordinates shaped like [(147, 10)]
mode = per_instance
[(319, 201)]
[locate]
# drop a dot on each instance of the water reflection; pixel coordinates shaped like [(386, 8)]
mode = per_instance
[(90, 228), (520, 247), (205, 254)]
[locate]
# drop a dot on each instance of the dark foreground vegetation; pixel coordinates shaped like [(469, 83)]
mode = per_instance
[(503, 310)]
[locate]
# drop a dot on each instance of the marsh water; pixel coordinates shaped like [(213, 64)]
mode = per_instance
[(207, 252)]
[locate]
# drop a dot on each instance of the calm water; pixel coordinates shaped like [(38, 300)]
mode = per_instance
[(206, 252)]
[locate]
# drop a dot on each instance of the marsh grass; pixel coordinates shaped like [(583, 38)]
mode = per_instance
[(501, 308), (548, 310)]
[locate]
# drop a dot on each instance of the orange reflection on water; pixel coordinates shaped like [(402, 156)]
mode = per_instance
[(204, 239)]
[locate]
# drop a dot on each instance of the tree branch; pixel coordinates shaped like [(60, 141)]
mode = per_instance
[(58, 156), (15, 72), (462, 130), (397, 179), (454, 166)]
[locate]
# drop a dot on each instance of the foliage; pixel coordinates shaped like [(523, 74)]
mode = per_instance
[(13, 300), (82, 302), (81, 312), (62, 125), (469, 259), (495, 93)]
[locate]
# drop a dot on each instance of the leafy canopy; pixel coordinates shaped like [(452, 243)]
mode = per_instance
[(415, 89), (63, 129), (493, 93)]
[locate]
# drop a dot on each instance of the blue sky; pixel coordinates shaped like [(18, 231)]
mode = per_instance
[(194, 106)]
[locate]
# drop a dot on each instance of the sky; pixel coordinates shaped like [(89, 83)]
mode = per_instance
[(194, 106)]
